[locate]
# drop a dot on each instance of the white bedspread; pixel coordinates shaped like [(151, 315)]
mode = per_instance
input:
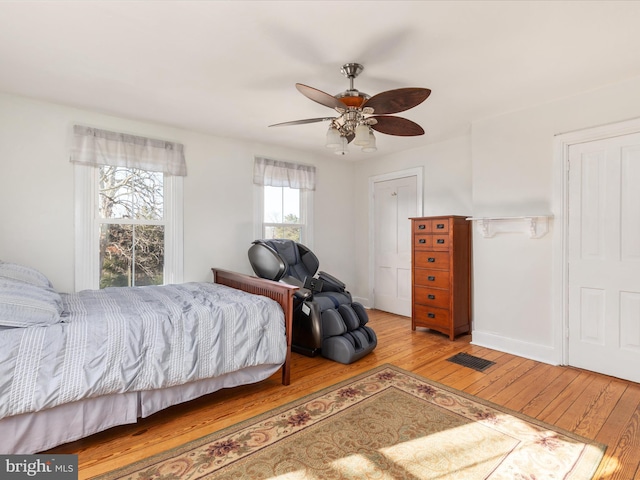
[(133, 339)]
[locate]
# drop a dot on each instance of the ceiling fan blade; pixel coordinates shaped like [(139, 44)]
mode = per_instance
[(397, 126), (319, 96), (399, 100), (302, 122)]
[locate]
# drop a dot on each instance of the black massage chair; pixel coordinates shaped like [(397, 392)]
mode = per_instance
[(325, 321)]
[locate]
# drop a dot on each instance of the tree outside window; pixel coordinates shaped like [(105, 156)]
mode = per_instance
[(132, 226)]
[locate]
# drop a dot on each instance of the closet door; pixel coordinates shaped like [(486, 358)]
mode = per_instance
[(394, 204), (604, 256)]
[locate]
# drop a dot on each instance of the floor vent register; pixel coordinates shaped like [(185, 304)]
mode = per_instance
[(466, 360)]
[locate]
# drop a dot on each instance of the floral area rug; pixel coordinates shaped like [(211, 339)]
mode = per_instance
[(384, 424)]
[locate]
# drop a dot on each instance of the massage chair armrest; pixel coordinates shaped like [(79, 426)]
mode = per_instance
[(331, 283), (302, 293)]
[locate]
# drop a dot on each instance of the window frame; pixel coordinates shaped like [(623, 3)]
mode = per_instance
[(87, 228)]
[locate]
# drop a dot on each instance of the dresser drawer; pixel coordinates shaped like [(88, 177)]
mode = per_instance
[(431, 296), (431, 278), (422, 226), (440, 226), (440, 242), (422, 241), (431, 316), (431, 260)]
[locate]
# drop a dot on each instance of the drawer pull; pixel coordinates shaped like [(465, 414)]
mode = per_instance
[(431, 315), (422, 240), (431, 297), (431, 259), (440, 240), (440, 226), (421, 227), (431, 278)]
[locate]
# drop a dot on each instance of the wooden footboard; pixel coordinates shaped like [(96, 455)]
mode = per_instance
[(281, 293)]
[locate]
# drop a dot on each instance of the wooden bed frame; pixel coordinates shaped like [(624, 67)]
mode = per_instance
[(280, 292)]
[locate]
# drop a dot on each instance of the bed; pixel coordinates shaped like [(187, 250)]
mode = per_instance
[(72, 365)]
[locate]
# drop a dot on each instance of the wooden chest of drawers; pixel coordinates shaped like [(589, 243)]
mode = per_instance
[(441, 274)]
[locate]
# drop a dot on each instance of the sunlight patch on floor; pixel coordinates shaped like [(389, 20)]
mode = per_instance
[(472, 451), (359, 466)]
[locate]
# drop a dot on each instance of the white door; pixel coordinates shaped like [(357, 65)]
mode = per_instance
[(604, 256), (394, 204)]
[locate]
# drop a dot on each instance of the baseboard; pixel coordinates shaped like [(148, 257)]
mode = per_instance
[(539, 353)]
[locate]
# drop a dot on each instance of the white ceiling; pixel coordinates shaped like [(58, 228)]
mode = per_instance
[(229, 67)]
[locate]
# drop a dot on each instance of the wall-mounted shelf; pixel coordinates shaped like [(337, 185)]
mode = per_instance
[(536, 226)]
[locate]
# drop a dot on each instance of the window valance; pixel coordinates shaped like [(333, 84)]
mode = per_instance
[(93, 146), (276, 173)]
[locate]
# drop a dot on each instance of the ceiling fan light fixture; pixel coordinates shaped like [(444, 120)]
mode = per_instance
[(371, 146), (333, 138), (362, 135)]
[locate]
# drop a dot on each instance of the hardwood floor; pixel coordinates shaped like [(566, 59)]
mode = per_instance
[(596, 406)]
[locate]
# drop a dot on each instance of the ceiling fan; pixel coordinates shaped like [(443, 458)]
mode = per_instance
[(361, 113)]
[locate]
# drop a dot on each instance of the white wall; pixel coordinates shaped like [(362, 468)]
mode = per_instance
[(37, 194), (513, 159), (447, 191)]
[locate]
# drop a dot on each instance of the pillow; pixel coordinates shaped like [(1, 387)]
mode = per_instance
[(24, 305), (24, 274)]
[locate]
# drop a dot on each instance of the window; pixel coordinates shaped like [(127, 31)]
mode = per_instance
[(132, 224), (282, 216), (128, 219), (284, 193)]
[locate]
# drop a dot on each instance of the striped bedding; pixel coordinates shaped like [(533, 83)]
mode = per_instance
[(135, 339)]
